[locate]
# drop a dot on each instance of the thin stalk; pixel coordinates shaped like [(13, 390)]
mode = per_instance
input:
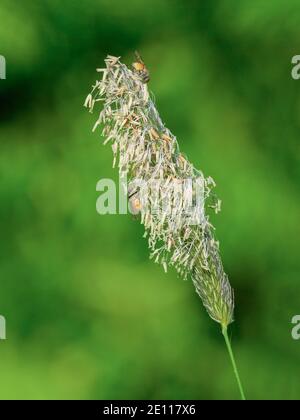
[(228, 344)]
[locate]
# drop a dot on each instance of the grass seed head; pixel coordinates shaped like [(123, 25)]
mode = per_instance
[(145, 149)]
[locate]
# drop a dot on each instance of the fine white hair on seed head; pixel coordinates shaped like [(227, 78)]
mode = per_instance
[(174, 196)]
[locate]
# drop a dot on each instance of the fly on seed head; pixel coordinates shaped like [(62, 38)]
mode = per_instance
[(134, 203), (140, 69)]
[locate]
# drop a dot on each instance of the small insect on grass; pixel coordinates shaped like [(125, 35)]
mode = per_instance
[(179, 231)]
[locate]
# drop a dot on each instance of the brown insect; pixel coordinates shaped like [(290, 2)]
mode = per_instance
[(140, 69), (134, 203)]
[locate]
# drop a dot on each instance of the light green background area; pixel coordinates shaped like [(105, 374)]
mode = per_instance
[(88, 315)]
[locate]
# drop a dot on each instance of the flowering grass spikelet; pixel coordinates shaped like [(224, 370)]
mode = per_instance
[(144, 149)]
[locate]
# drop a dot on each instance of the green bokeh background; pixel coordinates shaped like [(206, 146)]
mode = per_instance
[(88, 315)]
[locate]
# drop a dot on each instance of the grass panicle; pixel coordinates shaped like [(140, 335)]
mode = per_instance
[(144, 149)]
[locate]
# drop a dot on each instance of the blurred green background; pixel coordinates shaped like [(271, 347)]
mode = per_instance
[(88, 315)]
